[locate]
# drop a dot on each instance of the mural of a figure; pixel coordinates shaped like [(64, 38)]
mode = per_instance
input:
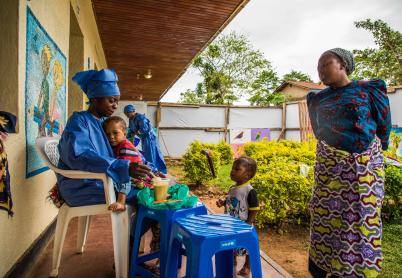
[(43, 100), (58, 81), (45, 90)]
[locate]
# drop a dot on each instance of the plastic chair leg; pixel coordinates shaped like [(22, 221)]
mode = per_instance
[(136, 244), (164, 246), (120, 223), (180, 257), (83, 228), (125, 242), (199, 264), (255, 263), (63, 218), (224, 262), (173, 257)]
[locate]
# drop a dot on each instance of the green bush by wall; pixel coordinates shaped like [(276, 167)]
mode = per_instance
[(196, 165), (283, 192)]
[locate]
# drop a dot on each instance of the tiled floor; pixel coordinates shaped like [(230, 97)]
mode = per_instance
[(97, 259)]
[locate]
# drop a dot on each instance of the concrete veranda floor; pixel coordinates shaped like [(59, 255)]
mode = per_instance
[(97, 259)]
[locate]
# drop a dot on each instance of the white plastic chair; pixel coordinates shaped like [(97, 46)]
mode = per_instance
[(47, 147)]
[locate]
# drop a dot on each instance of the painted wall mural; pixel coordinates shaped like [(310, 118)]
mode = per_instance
[(258, 134), (238, 137), (45, 91)]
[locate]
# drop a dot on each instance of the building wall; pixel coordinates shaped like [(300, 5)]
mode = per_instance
[(294, 92), (32, 212), (8, 56), (395, 101)]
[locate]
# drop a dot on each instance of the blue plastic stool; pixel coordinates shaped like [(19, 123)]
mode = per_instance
[(206, 235), (165, 219)]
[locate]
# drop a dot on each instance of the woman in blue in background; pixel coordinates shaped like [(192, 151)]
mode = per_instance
[(140, 125), (84, 145)]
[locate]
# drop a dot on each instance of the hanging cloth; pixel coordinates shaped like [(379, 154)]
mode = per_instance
[(6, 202)]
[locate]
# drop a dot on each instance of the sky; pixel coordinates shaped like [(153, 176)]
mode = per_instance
[(292, 34)]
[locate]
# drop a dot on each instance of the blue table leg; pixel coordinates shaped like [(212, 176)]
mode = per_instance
[(224, 263)]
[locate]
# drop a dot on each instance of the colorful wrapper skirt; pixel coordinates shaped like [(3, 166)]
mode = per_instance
[(345, 236)]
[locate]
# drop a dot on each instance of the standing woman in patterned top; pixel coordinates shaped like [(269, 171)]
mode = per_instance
[(352, 122)]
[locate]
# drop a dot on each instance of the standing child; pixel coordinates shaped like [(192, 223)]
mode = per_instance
[(241, 201)]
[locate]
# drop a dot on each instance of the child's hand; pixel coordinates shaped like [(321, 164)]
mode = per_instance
[(159, 174), (116, 207), (220, 203)]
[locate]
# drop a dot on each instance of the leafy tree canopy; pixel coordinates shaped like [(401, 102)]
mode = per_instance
[(231, 69), (296, 75), (384, 62)]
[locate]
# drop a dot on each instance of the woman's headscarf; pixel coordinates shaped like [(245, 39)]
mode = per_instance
[(129, 108), (346, 57), (94, 83)]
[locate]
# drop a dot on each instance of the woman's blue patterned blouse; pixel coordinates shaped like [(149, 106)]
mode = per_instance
[(349, 118)]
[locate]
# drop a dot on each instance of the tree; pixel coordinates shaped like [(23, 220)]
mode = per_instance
[(266, 99), (231, 69), (192, 96), (384, 62), (296, 75), (264, 96)]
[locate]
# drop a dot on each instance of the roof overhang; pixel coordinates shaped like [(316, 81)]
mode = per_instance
[(160, 37), (394, 89), (303, 85)]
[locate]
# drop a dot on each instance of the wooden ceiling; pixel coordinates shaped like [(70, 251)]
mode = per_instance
[(162, 36)]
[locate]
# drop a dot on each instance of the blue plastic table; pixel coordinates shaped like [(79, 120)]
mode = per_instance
[(165, 219), (206, 235)]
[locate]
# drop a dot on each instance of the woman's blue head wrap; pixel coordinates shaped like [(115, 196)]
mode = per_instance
[(94, 83), (129, 108)]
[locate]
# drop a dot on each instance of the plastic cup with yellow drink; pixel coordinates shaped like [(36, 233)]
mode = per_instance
[(161, 186)]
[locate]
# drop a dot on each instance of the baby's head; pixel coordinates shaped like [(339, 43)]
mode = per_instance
[(243, 170), (115, 129)]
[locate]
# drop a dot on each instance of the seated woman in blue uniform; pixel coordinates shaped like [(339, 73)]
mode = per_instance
[(84, 145)]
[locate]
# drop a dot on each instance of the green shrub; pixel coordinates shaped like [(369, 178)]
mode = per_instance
[(283, 192), (392, 206), (226, 152), (195, 163)]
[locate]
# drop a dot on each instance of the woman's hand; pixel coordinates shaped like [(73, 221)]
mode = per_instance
[(139, 171)]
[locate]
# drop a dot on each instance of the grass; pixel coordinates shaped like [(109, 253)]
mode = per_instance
[(392, 250)]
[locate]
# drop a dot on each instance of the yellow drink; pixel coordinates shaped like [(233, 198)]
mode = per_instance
[(160, 188)]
